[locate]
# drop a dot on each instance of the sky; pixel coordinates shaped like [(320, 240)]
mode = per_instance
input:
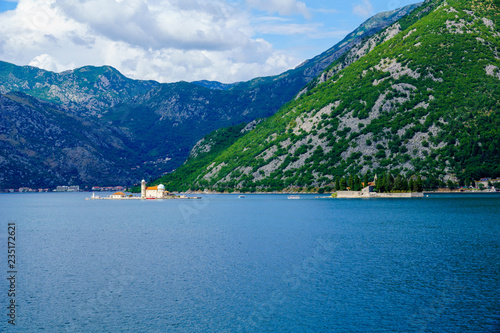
[(178, 40)]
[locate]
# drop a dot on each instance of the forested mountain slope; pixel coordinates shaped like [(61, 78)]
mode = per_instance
[(421, 97)]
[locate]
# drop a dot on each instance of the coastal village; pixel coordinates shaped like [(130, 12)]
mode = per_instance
[(65, 188)]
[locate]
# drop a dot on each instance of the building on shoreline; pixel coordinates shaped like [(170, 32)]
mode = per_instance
[(74, 188), (154, 192), (108, 188), (486, 182), (118, 195)]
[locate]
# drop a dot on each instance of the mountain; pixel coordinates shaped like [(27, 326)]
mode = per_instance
[(158, 124), (214, 84), (419, 98), (45, 146), (87, 91), (184, 112)]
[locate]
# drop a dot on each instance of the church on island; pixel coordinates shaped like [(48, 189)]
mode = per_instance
[(154, 192)]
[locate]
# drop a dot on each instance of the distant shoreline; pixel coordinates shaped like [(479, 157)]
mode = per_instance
[(460, 192), (274, 192), (329, 193)]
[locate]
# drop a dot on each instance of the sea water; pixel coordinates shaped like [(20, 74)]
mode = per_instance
[(256, 264)]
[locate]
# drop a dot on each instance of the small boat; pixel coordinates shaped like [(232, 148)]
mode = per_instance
[(241, 196), (294, 197)]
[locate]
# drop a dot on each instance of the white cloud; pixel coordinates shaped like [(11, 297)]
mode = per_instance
[(283, 7), (365, 9), (170, 40), (185, 24), (47, 62)]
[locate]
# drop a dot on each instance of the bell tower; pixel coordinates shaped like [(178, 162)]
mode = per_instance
[(143, 189)]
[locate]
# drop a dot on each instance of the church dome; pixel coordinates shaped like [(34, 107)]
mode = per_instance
[(161, 187)]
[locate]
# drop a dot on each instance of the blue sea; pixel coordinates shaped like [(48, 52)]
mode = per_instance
[(257, 264)]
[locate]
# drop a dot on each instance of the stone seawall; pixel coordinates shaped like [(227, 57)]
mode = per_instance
[(365, 194)]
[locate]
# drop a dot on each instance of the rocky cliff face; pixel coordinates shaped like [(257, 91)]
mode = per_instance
[(417, 98)]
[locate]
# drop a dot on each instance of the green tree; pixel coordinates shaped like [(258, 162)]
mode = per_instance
[(381, 184), (343, 184), (406, 186), (389, 182), (412, 185), (399, 184), (357, 183), (337, 184), (419, 185), (350, 183)]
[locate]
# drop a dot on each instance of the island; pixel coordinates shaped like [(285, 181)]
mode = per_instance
[(147, 193), (367, 192)]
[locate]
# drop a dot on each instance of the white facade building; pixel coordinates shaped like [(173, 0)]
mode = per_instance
[(153, 192)]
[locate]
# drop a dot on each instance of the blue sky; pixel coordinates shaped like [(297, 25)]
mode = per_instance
[(174, 40)]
